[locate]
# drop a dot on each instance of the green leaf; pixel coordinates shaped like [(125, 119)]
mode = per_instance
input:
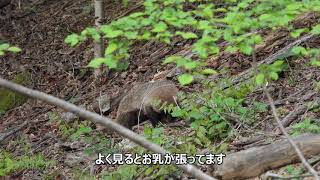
[(14, 49), (274, 75), (191, 65), (207, 11), (148, 171), (160, 27), (131, 34), (1, 53), (316, 29), (257, 39), (85, 130), (4, 46), (182, 62), (113, 34), (171, 59), (298, 50), (245, 48), (315, 63), (177, 113), (265, 17), (187, 35), (209, 71), (215, 118), (72, 39), (260, 79), (146, 35), (297, 32), (195, 114), (111, 62), (278, 63), (92, 32), (185, 79), (232, 49), (111, 48), (203, 25), (96, 62), (106, 29)]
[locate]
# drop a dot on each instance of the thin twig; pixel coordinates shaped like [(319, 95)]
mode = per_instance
[(284, 132)]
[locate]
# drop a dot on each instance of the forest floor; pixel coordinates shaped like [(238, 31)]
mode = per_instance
[(40, 27)]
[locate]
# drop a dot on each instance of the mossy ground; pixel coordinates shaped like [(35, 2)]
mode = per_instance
[(10, 99)]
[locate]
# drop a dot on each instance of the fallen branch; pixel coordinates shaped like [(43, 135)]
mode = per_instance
[(299, 110), (255, 161), (190, 169)]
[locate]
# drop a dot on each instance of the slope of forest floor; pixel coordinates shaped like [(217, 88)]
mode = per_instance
[(40, 27)]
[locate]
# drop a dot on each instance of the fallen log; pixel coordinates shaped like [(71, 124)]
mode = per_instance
[(255, 161)]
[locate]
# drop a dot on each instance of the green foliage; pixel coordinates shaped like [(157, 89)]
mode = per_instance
[(241, 91), (79, 173), (154, 135), (73, 130), (208, 113), (82, 130), (5, 47), (293, 171), (207, 23), (211, 112), (270, 72), (98, 144), (306, 126), (311, 53), (193, 68), (8, 164), (185, 79)]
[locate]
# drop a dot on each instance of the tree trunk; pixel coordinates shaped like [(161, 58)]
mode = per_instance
[(99, 46)]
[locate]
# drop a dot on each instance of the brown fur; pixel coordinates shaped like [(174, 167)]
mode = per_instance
[(140, 101)]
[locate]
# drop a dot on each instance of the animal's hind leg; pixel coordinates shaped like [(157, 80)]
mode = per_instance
[(152, 115), (128, 119)]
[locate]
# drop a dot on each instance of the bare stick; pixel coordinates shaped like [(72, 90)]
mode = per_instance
[(190, 169), (274, 112)]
